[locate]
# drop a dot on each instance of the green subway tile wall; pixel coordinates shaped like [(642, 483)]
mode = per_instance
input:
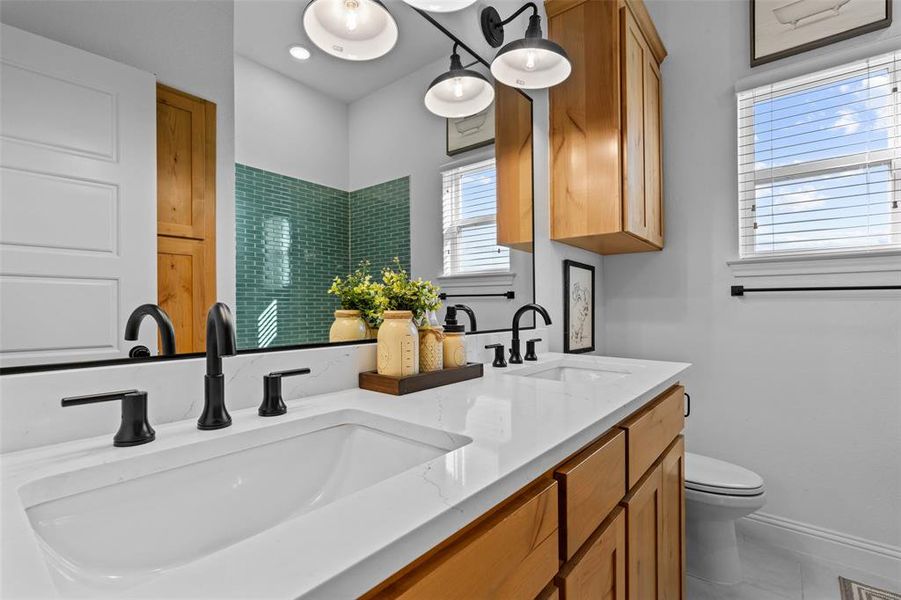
[(293, 237), (380, 224)]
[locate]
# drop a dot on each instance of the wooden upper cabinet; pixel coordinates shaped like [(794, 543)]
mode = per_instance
[(185, 182), (606, 171), (513, 154)]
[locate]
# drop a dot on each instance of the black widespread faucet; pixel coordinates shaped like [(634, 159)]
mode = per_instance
[(451, 317), (220, 341), (163, 322), (515, 356)]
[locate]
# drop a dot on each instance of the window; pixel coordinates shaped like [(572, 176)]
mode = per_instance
[(470, 220), (818, 162)]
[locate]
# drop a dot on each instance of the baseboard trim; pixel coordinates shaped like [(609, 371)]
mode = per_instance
[(877, 558)]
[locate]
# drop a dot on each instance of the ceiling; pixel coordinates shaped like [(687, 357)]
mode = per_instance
[(265, 29)]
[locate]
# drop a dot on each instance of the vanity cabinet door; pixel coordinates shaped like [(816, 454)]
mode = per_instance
[(598, 571), (644, 524), (672, 541)]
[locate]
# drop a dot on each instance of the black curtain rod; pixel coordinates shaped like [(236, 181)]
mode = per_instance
[(509, 295), (740, 290)]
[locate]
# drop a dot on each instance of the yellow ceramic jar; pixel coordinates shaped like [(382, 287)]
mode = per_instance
[(348, 326), (398, 345), (431, 349), (454, 347)]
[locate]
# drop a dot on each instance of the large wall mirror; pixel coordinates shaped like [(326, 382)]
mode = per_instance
[(110, 197)]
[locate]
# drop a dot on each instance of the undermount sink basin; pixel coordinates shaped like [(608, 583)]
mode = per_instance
[(574, 371), (179, 505)]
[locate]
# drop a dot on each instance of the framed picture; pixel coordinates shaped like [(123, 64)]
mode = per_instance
[(469, 133), (578, 307), (782, 28)]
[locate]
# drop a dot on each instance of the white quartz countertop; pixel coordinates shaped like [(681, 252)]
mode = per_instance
[(520, 427)]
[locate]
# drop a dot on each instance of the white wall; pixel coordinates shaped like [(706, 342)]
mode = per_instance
[(187, 44), (805, 389), (285, 127)]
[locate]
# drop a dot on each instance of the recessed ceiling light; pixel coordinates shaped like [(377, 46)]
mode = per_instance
[(299, 52)]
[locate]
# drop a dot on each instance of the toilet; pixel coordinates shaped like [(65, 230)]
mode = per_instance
[(717, 494)]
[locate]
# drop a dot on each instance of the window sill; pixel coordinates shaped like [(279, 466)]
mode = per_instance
[(470, 280), (817, 264)]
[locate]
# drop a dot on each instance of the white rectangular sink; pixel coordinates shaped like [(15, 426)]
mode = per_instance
[(575, 371), (115, 525)]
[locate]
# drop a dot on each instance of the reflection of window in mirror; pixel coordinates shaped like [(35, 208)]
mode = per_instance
[(470, 220)]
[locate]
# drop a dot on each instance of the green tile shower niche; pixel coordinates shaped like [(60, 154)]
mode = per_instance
[(293, 237)]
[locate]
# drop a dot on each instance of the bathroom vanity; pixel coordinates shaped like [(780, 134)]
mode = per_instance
[(563, 475)]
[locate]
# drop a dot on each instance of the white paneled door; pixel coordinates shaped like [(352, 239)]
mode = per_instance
[(77, 201)]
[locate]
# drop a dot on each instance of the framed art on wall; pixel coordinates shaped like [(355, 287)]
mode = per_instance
[(782, 28), (578, 307), (468, 133)]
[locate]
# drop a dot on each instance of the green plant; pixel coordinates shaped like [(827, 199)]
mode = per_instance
[(402, 293), (358, 292)]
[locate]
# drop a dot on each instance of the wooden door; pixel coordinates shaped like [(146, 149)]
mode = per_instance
[(672, 539), (76, 229), (644, 527), (598, 571), (513, 154), (642, 194), (186, 212)]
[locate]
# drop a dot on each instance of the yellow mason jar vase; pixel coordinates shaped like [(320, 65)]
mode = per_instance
[(397, 352), (348, 326), (454, 347), (431, 349)]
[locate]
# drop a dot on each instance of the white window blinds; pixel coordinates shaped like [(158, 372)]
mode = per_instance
[(818, 162), (470, 220)]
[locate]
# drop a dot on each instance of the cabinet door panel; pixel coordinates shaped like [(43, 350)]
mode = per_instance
[(644, 517), (513, 151), (653, 194), (672, 542), (180, 290), (635, 56), (598, 571)]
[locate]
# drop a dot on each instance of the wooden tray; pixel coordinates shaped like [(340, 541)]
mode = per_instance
[(398, 386)]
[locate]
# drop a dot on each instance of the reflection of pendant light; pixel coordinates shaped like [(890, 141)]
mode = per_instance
[(350, 29), (459, 92), (530, 63), (440, 6)]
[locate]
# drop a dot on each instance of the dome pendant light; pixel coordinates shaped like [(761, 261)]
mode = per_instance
[(350, 29), (530, 63), (440, 6), (459, 92)]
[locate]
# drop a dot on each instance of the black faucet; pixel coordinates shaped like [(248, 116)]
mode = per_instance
[(470, 313), (220, 341), (515, 356), (134, 429), (163, 322)]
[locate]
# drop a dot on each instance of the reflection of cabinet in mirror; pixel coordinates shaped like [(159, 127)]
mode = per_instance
[(186, 212), (606, 172), (513, 153)]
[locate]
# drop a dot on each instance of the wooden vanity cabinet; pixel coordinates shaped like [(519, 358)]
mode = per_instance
[(606, 150), (610, 524)]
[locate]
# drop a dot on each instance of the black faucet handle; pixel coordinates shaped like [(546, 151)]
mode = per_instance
[(273, 404), (499, 360), (134, 429), (530, 349)]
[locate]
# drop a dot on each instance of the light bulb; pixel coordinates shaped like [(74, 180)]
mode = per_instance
[(350, 15), (458, 88), (531, 60)]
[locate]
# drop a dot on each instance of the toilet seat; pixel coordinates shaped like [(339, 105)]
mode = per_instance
[(712, 476)]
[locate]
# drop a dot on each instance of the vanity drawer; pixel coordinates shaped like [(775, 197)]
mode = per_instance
[(652, 430), (591, 485), (511, 554)]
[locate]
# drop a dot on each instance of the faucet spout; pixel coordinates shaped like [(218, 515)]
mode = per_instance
[(470, 313), (515, 356), (163, 322), (220, 341)]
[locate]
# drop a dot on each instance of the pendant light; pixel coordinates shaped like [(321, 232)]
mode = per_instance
[(459, 92), (440, 6), (350, 29), (530, 63)]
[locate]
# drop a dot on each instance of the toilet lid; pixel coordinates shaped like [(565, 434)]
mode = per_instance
[(706, 474)]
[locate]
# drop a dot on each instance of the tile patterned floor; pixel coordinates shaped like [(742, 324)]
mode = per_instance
[(777, 574)]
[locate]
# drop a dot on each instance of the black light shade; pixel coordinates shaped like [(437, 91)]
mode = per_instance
[(528, 63), (459, 92), (350, 29)]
